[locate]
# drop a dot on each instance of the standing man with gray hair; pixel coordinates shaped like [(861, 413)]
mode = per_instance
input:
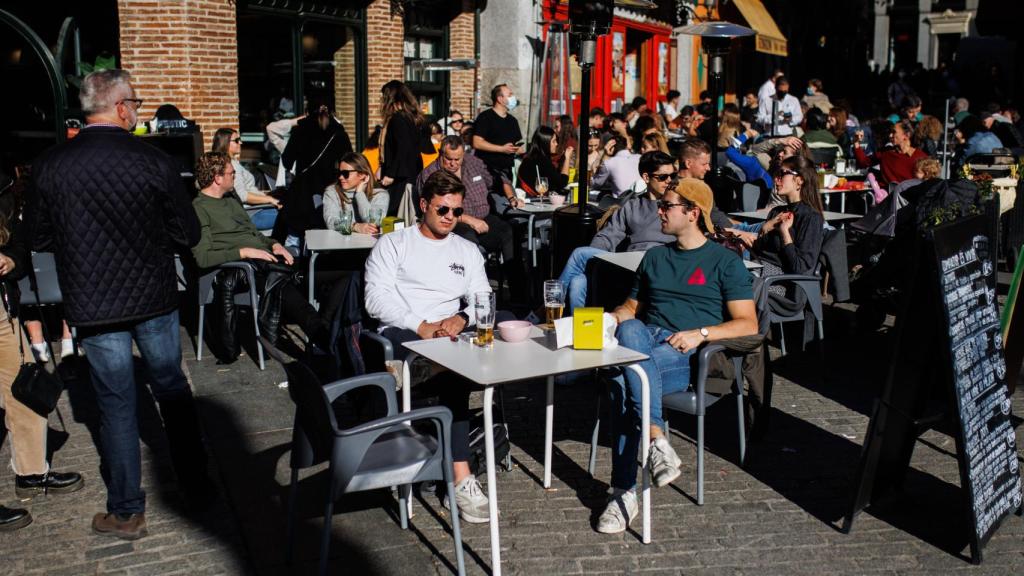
[(114, 211)]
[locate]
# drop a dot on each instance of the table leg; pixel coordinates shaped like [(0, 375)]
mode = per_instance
[(645, 435), (529, 239), (492, 481), (312, 278), (842, 201), (406, 406), (549, 424)]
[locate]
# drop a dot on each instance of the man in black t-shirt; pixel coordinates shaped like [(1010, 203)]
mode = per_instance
[(497, 139)]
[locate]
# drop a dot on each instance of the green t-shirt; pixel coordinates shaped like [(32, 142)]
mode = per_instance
[(688, 289)]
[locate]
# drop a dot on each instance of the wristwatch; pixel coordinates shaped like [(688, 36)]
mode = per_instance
[(463, 315), (704, 333)]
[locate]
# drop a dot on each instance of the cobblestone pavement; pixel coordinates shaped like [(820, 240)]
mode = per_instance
[(777, 515)]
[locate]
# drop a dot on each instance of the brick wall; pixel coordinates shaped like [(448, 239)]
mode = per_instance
[(384, 33), (183, 52), (460, 45), (345, 85)]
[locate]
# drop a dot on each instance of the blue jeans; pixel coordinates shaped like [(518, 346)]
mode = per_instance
[(109, 350), (574, 276), (264, 219), (668, 371)]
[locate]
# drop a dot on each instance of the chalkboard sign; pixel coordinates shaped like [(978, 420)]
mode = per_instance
[(988, 452), (950, 306)]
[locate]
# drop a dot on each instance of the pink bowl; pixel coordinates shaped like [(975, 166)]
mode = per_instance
[(514, 330)]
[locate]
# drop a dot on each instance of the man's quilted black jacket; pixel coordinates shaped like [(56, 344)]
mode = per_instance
[(114, 211)]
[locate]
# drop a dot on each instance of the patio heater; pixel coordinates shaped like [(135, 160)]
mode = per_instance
[(716, 40), (576, 224)]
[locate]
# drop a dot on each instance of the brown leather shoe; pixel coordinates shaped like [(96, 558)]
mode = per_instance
[(124, 527)]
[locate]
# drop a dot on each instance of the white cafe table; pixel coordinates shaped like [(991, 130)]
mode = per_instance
[(631, 260), (506, 362), (843, 193), (318, 241)]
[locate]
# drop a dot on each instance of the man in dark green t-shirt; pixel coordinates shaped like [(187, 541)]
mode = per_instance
[(685, 293)]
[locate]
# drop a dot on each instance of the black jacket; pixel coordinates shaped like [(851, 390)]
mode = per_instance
[(14, 248), (808, 232), (114, 211), (314, 154)]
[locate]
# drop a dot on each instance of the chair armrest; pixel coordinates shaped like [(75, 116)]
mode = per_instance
[(384, 343), (770, 280), (439, 414), (704, 355), (382, 380)]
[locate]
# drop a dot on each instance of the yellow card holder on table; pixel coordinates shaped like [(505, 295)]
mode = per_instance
[(588, 328), (391, 223)]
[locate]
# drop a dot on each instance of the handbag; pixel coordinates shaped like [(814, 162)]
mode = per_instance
[(34, 387)]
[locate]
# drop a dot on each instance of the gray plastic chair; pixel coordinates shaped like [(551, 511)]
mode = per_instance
[(249, 298), (377, 454), (42, 288), (695, 401), (809, 288)]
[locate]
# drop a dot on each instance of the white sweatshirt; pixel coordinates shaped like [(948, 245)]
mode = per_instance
[(411, 279)]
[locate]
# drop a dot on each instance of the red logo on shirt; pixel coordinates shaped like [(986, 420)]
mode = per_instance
[(697, 278)]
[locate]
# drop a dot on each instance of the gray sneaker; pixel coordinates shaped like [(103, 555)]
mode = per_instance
[(473, 504), (664, 462), (621, 510)]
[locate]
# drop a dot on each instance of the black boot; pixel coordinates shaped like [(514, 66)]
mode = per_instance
[(228, 283), (49, 483), (13, 518)]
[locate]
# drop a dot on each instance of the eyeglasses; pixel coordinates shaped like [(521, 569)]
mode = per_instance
[(443, 210), (783, 172), (665, 205), (346, 173), (661, 177), (136, 101), (456, 121), (237, 140)]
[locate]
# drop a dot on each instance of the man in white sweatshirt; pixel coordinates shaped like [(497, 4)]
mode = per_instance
[(416, 280)]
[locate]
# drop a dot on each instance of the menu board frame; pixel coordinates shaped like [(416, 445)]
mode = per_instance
[(921, 394)]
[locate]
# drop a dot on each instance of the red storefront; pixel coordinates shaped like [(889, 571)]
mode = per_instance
[(634, 59)]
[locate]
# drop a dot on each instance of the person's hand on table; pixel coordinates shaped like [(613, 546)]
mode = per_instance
[(514, 202), (283, 253), (6, 265), (686, 340), (365, 228), (428, 330), (255, 254), (452, 326)]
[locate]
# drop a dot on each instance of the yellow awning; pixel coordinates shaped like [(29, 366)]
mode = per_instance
[(769, 38)]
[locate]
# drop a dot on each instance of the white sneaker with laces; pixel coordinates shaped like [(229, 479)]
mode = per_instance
[(664, 462), (67, 348), (473, 503), (621, 510)]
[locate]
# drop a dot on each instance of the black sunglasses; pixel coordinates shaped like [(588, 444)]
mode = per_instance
[(443, 210), (781, 172), (661, 177), (237, 140), (345, 173), (665, 205), (457, 121)]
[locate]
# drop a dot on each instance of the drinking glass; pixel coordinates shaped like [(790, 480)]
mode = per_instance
[(542, 186), (483, 306), (377, 217), (554, 301), (345, 221)]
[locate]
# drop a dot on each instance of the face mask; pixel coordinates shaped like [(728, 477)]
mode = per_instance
[(782, 93), (810, 91), (512, 103)]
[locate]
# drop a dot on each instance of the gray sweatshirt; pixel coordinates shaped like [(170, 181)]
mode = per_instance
[(362, 204), (636, 220)]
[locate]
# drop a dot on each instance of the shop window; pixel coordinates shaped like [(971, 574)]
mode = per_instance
[(289, 65), (423, 42)]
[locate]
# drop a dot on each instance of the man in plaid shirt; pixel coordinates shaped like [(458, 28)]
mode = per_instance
[(478, 223)]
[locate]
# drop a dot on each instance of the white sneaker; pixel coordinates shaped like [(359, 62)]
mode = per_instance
[(621, 510), (41, 354), (67, 348), (664, 462), (472, 502)]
